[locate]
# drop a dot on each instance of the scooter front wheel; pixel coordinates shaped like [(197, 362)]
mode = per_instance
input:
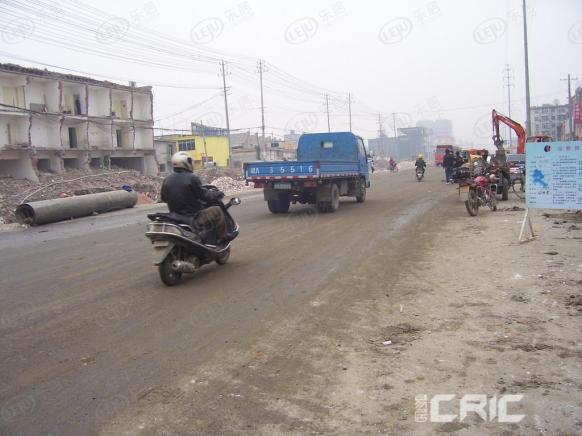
[(168, 274)]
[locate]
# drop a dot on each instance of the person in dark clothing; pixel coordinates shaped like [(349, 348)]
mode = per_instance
[(459, 161), (420, 163), (185, 195), (449, 164)]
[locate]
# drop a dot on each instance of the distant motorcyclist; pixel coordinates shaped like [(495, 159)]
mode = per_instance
[(392, 164), (420, 163), (185, 195)]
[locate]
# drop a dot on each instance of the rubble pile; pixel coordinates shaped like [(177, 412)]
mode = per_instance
[(207, 175), (80, 182), (72, 182), (229, 185)]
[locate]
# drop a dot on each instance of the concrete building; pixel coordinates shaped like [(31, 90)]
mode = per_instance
[(549, 119), (51, 121), (203, 149), (244, 148), (439, 131), (164, 149), (409, 143)]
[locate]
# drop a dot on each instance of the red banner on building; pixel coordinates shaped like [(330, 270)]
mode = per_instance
[(577, 114)]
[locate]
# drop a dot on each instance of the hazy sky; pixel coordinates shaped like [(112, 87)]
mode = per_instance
[(422, 59)]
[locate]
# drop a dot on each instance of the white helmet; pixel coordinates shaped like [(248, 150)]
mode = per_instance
[(182, 160)]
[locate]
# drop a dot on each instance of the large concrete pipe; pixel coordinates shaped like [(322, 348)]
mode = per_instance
[(50, 211)]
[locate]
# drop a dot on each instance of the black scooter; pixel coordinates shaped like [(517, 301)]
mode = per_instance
[(180, 247), (419, 173)]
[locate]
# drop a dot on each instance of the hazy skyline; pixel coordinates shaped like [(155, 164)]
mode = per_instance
[(420, 59)]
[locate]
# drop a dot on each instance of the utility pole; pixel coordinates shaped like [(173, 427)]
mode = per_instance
[(258, 149), (327, 110), (396, 148), (261, 66), (350, 109), (570, 121), (509, 85), (527, 102), (394, 121), (380, 126), (205, 161), (226, 112)]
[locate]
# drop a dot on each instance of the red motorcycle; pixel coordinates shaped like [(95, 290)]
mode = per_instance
[(481, 192)]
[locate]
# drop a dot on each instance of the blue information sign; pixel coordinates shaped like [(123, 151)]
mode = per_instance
[(554, 175)]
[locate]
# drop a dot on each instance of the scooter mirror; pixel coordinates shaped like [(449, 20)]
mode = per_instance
[(235, 201)]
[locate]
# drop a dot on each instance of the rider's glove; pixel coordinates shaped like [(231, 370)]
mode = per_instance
[(218, 195)]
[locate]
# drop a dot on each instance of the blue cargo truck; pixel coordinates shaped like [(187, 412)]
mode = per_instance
[(328, 166)]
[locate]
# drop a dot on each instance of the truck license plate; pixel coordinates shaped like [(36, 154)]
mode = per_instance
[(282, 186)]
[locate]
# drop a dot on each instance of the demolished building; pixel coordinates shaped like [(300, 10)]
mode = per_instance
[(51, 121)]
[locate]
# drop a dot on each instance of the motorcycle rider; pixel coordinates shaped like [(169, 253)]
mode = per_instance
[(420, 163), (183, 192), (392, 164)]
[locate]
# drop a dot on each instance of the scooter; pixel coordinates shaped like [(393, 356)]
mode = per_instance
[(180, 247), (419, 174)]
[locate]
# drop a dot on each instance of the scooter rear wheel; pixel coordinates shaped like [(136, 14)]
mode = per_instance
[(169, 276)]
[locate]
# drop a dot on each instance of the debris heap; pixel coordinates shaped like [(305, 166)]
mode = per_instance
[(80, 182)]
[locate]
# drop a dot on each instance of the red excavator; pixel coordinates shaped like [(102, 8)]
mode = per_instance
[(513, 125)]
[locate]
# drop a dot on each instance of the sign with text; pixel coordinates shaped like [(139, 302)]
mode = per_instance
[(554, 175)]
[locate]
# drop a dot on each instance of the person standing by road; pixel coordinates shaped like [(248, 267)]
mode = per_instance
[(449, 164)]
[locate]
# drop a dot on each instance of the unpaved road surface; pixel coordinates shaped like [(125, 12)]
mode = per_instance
[(328, 323)]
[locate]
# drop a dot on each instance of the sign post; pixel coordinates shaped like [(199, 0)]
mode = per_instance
[(554, 178)]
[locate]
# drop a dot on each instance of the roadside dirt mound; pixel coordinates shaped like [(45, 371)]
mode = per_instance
[(81, 182)]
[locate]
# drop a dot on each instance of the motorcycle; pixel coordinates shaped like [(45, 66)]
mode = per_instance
[(482, 192), (181, 247), (419, 174)]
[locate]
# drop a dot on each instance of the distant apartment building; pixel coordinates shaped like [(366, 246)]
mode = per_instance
[(409, 142), (51, 121), (549, 119)]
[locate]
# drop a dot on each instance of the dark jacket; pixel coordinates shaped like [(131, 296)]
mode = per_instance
[(420, 163), (449, 160), (184, 193)]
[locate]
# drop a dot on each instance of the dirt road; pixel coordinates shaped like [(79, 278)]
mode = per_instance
[(328, 323)]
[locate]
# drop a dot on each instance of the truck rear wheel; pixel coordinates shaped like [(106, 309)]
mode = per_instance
[(361, 193), (335, 198), (280, 205)]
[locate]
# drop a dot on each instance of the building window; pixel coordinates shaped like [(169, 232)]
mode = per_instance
[(72, 137), (186, 145), (119, 137)]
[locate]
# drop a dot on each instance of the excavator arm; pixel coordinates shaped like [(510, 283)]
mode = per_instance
[(513, 125)]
